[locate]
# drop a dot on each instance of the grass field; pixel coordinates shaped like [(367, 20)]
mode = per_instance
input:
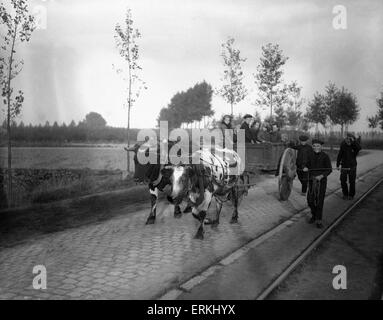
[(94, 158)]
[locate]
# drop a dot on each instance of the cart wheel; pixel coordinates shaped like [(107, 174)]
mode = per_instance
[(287, 173)]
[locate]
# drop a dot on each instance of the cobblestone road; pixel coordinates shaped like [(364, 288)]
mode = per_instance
[(123, 258)]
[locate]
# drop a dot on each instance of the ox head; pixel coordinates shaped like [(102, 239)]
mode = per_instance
[(179, 180), (183, 179)]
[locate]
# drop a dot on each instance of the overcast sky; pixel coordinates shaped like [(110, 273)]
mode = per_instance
[(68, 66)]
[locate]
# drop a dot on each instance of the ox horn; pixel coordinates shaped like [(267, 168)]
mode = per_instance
[(132, 149)]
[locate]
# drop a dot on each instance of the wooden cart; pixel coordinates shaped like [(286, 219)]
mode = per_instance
[(271, 157)]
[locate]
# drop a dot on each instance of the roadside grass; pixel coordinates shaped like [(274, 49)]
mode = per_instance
[(59, 189)]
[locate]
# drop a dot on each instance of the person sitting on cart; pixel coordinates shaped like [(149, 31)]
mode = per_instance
[(226, 124), (303, 156), (270, 133), (318, 168), (255, 128), (246, 126)]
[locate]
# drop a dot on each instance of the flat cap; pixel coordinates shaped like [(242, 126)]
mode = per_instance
[(316, 141), (303, 137), (247, 116)]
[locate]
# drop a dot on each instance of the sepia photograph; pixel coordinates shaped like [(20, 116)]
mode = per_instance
[(191, 154)]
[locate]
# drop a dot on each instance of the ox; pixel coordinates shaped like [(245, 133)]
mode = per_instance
[(215, 177), (157, 177)]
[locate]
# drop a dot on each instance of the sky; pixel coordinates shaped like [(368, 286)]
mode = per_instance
[(69, 70)]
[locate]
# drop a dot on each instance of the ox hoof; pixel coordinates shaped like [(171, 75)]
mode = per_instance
[(187, 210), (199, 236), (234, 220), (196, 216), (214, 224), (150, 220), (177, 215)]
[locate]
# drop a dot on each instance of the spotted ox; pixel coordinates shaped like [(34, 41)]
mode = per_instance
[(158, 178), (214, 177)]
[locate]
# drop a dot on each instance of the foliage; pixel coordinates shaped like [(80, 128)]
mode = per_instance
[(55, 134), (379, 102), (342, 106), (316, 111), (271, 92), (373, 121), (94, 120), (294, 105), (233, 89), (188, 106)]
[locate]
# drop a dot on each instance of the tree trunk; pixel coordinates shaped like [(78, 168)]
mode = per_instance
[(128, 137), (10, 197)]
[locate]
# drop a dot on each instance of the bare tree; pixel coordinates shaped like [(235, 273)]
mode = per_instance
[(233, 90), (17, 26), (126, 40)]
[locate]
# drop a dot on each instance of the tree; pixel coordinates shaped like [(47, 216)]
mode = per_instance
[(232, 90), (197, 102), (269, 77), (379, 102), (373, 123), (94, 120), (280, 118), (342, 106), (126, 41), (18, 26), (294, 105), (316, 111), (188, 106)]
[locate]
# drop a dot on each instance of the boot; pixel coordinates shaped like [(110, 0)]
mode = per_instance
[(319, 224), (312, 220)]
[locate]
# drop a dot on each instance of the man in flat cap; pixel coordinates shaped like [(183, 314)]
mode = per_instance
[(318, 168), (346, 162), (303, 156), (249, 138)]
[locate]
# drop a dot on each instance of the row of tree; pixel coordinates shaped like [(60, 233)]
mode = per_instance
[(335, 106), (92, 129)]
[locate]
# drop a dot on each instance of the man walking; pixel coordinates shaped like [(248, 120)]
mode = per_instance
[(303, 156), (319, 167), (346, 160)]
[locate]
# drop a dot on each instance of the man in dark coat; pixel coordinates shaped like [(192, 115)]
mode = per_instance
[(226, 124), (303, 156), (249, 138), (348, 151), (319, 167)]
